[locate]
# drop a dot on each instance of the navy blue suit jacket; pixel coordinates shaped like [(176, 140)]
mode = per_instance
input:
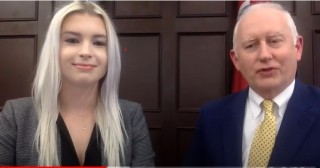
[(218, 136)]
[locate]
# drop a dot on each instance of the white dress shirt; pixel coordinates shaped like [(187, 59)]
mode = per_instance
[(254, 116)]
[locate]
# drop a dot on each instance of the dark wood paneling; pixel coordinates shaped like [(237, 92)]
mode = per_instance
[(59, 4), (303, 20), (22, 30), (316, 54), (202, 69), (289, 5), (186, 53), (138, 25), (17, 65), (207, 24), (137, 9), (25, 11), (18, 28), (315, 7), (184, 138), (201, 8), (141, 69)]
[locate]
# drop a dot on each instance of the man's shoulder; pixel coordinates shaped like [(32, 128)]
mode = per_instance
[(313, 91), (305, 92), (226, 105), (227, 101)]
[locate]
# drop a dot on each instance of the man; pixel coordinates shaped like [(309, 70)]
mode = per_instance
[(276, 121)]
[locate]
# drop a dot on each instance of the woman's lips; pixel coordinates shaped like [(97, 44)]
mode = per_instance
[(84, 66)]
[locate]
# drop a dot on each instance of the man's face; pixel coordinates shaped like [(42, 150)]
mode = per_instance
[(265, 52)]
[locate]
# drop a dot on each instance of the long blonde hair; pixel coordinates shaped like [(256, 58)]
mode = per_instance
[(47, 84)]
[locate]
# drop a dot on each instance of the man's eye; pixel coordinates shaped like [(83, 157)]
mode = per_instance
[(248, 46), (275, 42), (72, 40)]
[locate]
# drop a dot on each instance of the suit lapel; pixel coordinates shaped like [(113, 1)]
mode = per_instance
[(233, 130), (295, 126)]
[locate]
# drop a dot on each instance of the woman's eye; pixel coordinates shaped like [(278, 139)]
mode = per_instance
[(72, 40), (99, 43)]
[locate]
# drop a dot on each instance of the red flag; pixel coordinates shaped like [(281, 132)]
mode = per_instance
[(239, 82)]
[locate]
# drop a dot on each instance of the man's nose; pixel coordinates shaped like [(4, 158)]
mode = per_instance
[(85, 51), (264, 53)]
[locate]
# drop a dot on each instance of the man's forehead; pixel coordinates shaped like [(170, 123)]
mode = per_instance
[(259, 24), (261, 12), (260, 17)]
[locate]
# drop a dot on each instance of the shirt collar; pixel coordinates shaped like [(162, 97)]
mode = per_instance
[(281, 101)]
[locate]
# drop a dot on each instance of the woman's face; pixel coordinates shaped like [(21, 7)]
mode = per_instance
[(83, 49)]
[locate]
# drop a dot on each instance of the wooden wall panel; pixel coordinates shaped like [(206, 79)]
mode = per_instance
[(175, 58), (315, 7), (137, 9), (184, 138), (303, 19), (316, 53), (17, 66), (141, 70), (25, 11), (201, 8), (22, 29), (202, 69)]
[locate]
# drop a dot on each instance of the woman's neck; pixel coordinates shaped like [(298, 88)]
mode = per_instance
[(78, 99)]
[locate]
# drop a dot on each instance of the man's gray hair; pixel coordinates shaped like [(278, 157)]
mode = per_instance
[(276, 6)]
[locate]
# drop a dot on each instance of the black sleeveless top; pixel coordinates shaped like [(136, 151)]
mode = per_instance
[(68, 152)]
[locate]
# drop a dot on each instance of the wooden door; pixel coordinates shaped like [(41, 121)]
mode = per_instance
[(175, 58)]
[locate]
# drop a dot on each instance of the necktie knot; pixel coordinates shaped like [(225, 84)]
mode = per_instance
[(268, 107)]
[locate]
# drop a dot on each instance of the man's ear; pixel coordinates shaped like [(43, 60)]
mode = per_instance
[(299, 47), (234, 59)]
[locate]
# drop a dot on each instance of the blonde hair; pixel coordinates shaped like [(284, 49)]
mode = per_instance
[(47, 84)]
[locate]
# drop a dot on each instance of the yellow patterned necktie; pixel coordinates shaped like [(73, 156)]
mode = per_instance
[(264, 138)]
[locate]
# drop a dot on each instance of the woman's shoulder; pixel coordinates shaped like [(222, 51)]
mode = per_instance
[(130, 110), (24, 103), (127, 105), (21, 102), (19, 108)]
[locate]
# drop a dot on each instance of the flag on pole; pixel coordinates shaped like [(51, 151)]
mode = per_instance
[(238, 82)]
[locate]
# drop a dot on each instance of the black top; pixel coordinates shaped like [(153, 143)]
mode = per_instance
[(68, 152)]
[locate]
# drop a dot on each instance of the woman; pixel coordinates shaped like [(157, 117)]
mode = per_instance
[(75, 116)]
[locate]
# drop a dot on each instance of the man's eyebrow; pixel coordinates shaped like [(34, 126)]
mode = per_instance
[(277, 34), (248, 40)]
